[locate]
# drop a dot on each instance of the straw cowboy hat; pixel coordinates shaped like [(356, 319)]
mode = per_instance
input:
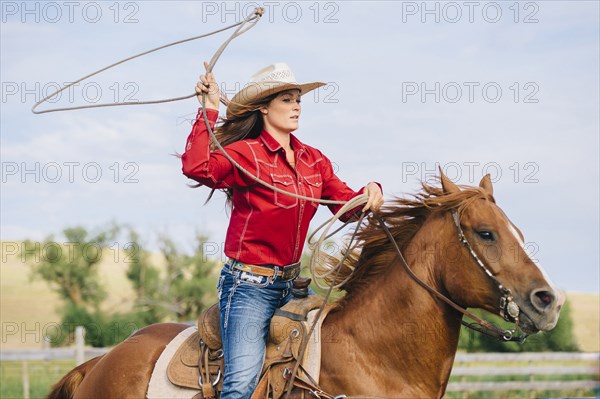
[(266, 82)]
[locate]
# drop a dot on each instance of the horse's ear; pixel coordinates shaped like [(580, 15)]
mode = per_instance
[(486, 184), (447, 185)]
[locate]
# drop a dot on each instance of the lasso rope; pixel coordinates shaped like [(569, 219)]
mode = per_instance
[(252, 20), (357, 201)]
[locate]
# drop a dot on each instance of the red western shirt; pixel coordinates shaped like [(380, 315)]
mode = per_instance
[(266, 227)]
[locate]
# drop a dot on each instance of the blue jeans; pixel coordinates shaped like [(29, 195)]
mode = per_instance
[(247, 303)]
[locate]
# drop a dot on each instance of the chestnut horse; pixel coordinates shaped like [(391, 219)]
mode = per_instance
[(389, 337)]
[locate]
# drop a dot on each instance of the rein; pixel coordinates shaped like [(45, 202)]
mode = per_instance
[(508, 308)]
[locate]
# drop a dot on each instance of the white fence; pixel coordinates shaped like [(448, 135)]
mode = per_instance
[(467, 366), (78, 352), (516, 365)]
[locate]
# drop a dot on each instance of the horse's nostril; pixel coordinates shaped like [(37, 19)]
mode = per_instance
[(545, 297)]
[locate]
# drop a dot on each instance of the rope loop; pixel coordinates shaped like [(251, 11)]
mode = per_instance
[(253, 18)]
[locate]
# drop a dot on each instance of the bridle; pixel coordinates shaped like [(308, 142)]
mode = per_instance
[(508, 309)]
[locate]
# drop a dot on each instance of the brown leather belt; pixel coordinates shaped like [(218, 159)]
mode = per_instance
[(286, 273)]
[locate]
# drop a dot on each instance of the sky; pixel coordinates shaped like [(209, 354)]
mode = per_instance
[(506, 88)]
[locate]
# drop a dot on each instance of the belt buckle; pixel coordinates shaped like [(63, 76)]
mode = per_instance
[(291, 272)]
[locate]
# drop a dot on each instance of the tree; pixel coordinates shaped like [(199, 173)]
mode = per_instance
[(179, 291), (146, 280), (185, 287), (70, 267), (193, 278)]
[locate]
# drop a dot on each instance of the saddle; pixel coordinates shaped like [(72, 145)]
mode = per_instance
[(199, 364)]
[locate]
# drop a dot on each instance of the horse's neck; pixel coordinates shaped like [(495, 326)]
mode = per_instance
[(394, 336)]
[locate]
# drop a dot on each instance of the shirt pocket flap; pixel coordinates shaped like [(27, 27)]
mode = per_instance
[(314, 180), (285, 180)]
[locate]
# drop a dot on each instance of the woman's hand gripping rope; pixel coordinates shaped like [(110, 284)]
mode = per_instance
[(208, 85), (375, 200)]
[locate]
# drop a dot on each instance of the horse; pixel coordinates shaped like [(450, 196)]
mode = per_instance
[(387, 337)]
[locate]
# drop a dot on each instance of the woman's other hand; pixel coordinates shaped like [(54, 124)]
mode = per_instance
[(375, 197)]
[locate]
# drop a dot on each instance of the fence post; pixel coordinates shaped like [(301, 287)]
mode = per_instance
[(79, 345), (25, 372)]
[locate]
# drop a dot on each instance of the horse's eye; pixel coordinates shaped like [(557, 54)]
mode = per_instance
[(486, 235)]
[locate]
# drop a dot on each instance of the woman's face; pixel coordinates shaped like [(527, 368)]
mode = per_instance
[(282, 114)]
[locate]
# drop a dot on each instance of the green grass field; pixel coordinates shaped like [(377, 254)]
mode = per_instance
[(43, 374)]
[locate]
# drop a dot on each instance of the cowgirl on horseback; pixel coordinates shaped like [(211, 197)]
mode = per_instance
[(267, 229)]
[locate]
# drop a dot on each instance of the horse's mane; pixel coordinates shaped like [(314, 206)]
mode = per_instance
[(404, 217)]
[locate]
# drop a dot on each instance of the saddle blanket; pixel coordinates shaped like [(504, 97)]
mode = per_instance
[(312, 355), (160, 387)]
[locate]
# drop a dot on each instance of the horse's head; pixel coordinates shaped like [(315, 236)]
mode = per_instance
[(493, 239)]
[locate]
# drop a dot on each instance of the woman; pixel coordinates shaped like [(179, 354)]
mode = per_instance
[(267, 229)]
